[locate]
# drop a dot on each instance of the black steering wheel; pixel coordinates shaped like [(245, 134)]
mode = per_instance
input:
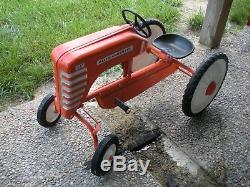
[(138, 23)]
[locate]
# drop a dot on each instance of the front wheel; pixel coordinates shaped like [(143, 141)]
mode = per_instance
[(47, 116), (104, 152), (204, 84)]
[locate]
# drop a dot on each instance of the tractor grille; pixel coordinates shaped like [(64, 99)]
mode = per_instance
[(73, 86)]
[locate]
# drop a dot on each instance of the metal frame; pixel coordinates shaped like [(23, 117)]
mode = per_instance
[(161, 69), (131, 84)]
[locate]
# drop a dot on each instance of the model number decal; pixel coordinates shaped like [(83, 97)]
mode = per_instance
[(115, 55), (79, 66)]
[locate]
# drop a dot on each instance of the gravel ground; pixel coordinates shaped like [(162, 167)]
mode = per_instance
[(31, 155)]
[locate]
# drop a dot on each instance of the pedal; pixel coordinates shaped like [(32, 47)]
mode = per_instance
[(122, 105)]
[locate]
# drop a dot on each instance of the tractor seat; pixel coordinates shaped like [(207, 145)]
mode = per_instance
[(174, 45)]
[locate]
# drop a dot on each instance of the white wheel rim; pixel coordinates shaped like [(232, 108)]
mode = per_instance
[(214, 74), (51, 114), (110, 152), (144, 59)]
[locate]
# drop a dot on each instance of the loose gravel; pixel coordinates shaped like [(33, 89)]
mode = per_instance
[(31, 155)]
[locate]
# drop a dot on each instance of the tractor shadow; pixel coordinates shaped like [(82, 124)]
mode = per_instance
[(183, 129)]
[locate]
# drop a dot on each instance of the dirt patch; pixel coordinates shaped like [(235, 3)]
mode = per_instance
[(134, 128), (131, 128)]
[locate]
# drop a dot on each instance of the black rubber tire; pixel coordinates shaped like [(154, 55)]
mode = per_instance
[(194, 81), (41, 112), (99, 153), (152, 21)]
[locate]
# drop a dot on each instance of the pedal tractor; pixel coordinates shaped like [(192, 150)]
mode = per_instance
[(147, 55)]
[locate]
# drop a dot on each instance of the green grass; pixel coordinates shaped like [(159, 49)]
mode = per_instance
[(30, 29), (195, 21), (240, 11), (174, 3)]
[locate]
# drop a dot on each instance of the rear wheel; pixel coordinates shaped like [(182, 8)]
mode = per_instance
[(47, 116), (204, 84), (157, 28), (144, 59)]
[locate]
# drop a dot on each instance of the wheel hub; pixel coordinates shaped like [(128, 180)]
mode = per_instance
[(110, 152), (51, 114), (110, 157), (211, 88)]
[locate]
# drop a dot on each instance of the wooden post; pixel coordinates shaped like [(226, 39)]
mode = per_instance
[(215, 22)]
